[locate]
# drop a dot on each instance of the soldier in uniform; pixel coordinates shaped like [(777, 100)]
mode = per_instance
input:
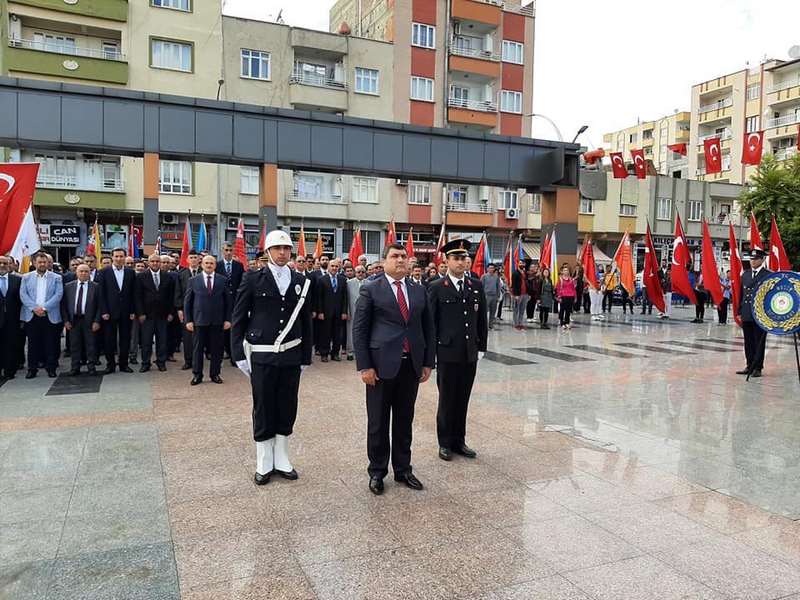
[(271, 341), (458, 306), (755, 339)]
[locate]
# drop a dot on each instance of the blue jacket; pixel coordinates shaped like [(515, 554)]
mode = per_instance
[(52, 303)]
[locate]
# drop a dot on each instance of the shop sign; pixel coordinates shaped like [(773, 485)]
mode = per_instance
[(64, 235)]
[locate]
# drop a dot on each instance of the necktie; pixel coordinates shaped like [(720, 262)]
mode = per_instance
[(401, 301), (4, 285), (79, 307), (155, 279), (209, 285), (228, 268), (333, 282), (461, 287)]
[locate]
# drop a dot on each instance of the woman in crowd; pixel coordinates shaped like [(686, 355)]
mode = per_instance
[(610, 283), (565, 294), (700, 295), (546, 298), (722, 309), (533, 286), (579, 285)]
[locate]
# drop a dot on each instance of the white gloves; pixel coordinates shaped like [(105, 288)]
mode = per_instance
[(243, 366), (481, 355)]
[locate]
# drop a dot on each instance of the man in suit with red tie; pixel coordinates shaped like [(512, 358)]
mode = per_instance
[(393, 337)]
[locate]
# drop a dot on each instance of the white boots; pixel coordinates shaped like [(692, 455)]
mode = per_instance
[(273, 456), (282, 463), (265, 457)]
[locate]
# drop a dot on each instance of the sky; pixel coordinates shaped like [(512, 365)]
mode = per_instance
[(608, 64)]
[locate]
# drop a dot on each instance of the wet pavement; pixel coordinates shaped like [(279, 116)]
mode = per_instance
[(617, 460)]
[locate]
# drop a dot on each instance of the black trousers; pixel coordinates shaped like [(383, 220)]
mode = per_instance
[(700, 307), (116, 335), (331, 335), (565, 310), (391, 399), (626, 301), (587, 303), (722, 311), (174, 335), (500, 307), (274, 400), (608, 296), (544, 314), (81, 343), (755, 342), (188, 345), (454, 381), (530, 308), (9, 356), (42, 346), (157, 328), (646, 304), (206, 336)]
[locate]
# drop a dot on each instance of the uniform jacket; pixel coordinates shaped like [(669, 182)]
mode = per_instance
[(379, 329), (10, 303), (330, 303), (118, 303), (260, 314), (70, 298), (202, 308), (237, 273), (748, 291), (52, 303), (460, 323), (311, 299), (154, 303)]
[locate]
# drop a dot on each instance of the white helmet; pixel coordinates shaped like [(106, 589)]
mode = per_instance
[(278, 238)]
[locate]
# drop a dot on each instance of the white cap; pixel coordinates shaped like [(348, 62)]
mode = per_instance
[(278, 238)]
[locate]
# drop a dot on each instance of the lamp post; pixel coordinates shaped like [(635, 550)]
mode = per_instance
[(582, 129)]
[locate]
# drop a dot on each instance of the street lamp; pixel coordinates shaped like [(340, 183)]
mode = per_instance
[(582, 129)]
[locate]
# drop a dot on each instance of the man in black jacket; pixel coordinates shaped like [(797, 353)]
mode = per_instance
[(271, 343), (331, 309), (207, 311), (80, 311), (393, 337), (458, 306), (117, 310), (234, 271), (755, 338), (155, 300), (10, 332), (181, 286)]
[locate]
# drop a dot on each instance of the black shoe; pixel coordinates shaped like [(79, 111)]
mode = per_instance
[(132, 361), (51, 373), (445, 453), (196, 380), (409, 480), (74, 372), (110, 370), (125, 369), (216, 379), (262, 479), (290, 475), (233, 363), (324, 358), (92, 372), (351, 357), (161, 367), (744, 371), (186, 367), (336, 357), (30, 374), (376, 485), (8, 376), (144, 368), (67, 354), (466, 451), (756, 373), (545, 326)]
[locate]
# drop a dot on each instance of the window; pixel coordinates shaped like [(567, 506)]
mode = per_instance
[(372, 241), (175, 177), (647, 135), (627, 210), (54, 43), (419, 193), (248, 180), (695, 210), (255, 64), (365, 189), (170, 55), (176, 4), (512, 52), (587, 206), (56, 170), (752, 124), (366, 81), (458, 196), (111, 50), (664, 209), (508, 199), (632, 138), (511, 102), (753, 91), (422, 89), (423, 35), (536, 203)]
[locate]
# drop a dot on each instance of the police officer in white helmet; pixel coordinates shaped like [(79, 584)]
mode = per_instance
[(271, 342)]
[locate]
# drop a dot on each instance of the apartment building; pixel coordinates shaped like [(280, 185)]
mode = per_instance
[(655, 137)]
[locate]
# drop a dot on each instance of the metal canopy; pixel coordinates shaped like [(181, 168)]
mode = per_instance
[(78, 118)]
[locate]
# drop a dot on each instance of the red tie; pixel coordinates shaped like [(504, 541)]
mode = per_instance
[(209, 285), (401, 300)]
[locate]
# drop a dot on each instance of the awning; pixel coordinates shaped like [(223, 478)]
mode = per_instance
[(532, 250), (599, 255)]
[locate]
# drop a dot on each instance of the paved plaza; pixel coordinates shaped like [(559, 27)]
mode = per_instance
[(618, 460)]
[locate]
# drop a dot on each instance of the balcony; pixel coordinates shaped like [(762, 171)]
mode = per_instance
[(725, 135), (113, 10), (647, 141), (475, 113), (488, 12), (73, 182), (317, 92), (459, 48), (58, 60), (529, 10), (296, 196), (785, 84), (786, 153), (469, 214), (715, 85), (480, 105), (724, 103), (782, 121), (682, 135), (466, 206)]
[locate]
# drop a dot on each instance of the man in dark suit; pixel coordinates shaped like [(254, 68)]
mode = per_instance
[(117, 310), (207, 311), (331, 308), (9, 319), (80, 310), (393, 338), (155, 301), (755, 338), (182, 285), (234, 271), (458, 306)]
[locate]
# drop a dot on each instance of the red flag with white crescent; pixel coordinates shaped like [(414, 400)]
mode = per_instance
[(356, 248), (652, 282), (736, 273), (778, 259), (679, 148), (439, 257), (639, 164), (680, 264), (753, 148), (17, 185), (709, 267), (713, 152), (618, 165), (755, 234), (239, 245)]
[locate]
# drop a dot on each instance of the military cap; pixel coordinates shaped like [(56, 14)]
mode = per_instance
[(456, 247)]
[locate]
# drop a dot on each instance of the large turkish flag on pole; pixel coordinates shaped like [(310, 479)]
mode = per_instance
[(778, 259), (680, 264), (755, 234), (639, 164), (736, 273), (709, 266), (713, 151), (652, 282), (752, 148), (17, 184)]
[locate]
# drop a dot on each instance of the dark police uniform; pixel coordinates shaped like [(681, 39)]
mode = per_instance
[(755, 338), (459, 317)]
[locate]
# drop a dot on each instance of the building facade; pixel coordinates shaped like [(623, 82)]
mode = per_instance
[(654, 137)]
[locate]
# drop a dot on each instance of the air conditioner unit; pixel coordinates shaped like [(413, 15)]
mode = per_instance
[(169, 219), (401, 181), (512, 213), (233, 222)]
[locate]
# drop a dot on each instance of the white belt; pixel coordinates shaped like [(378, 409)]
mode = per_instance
[(272, 348)]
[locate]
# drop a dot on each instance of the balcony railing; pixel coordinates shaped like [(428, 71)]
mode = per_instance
[(716, 105), (481, 105), (478, 207), (785, 153), (317, 81), (72, 182), (785, 84), (473, 52), (784, 120), (58, 48), (726, 166), (296, 196), (529, 10), (725, 135)]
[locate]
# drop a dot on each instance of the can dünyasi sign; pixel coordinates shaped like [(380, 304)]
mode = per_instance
[(65, 235)]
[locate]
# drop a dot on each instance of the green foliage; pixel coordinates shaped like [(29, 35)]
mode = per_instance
[(775, 190)]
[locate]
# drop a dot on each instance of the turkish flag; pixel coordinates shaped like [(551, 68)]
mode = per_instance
[(709, 267), (301, 243), (650, 278), (187, 245), (439, 257), (755, 234), (589, 265), (17, 184), (391, 235), (639, 164), (736, 273), (239, 245), (778, 259), (679, 148), (618, 165), (713, 151), (680, 264), (753, 148), (356, 247), (410, 242), (479, 264), (262, 240)]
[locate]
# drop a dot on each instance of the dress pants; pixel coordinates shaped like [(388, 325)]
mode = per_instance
[(188, 346), (135, 336), (668, 303), (755, 342), (206, 336), (391, 399), (42, 347), (274, 400), (117, 337), (454, 381), (148, 329), (520, 303), (9, 357), (331, 331), (81, 343), (491, 306), (595, 301), (608, 297), (722, 311)]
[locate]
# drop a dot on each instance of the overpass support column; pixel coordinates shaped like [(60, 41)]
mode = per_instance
[(560, 213), (268, 197), (150, 202)]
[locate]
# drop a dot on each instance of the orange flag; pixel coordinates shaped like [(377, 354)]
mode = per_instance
[(318, 248), (301, 243), (624, 259), (588, 264)]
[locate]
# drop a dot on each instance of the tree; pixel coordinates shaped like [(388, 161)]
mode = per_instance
[(775, 190)]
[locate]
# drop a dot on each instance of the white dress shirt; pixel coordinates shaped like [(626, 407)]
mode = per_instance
[(41, 289), (283, 277), (394, 289), (455, 281), (119, 275), (83, 298), (4, 286)]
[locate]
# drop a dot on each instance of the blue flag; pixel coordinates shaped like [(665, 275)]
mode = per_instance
[(201, 238)]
